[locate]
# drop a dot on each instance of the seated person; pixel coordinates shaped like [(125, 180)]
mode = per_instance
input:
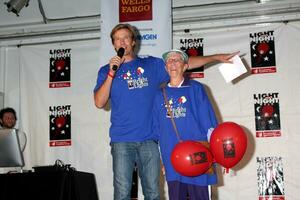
[(8, 119)]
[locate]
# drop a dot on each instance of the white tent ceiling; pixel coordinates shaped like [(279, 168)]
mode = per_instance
[(77, 19)]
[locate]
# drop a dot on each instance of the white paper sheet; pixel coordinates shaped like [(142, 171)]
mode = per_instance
[(232, 71)]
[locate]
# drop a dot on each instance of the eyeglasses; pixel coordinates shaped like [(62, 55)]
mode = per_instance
[(177, 60)]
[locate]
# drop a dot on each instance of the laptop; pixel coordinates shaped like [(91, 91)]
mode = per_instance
[(10, 151)]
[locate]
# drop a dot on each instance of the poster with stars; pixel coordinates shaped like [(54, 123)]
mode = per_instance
[(193, 47), (60, 125), (262, 52), (60, 68), (267, 115)]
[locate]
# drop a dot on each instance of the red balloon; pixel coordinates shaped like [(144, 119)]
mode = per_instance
[(191, 158), (228, 144)]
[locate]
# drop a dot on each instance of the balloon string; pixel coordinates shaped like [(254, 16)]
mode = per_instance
[(170, 113)]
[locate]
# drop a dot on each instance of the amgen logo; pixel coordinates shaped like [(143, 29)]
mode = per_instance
[(147, 37)]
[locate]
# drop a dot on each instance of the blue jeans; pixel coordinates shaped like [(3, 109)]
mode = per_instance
[(146, 155)]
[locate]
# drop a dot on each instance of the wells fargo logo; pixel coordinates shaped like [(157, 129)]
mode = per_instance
[(135, 10)]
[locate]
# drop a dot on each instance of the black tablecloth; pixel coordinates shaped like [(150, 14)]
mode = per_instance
[(60, 185)]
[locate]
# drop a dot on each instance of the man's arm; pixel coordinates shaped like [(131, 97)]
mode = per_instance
[(198, 61), (101, 96)]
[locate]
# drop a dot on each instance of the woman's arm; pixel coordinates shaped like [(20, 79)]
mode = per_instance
[(198, 61)]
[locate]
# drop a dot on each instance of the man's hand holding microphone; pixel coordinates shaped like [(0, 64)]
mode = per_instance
[(115, 62)]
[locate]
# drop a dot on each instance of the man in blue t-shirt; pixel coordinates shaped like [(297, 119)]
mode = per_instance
[(131, 89), (186, 102)]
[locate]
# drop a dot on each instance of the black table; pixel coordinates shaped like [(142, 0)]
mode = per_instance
[(57, 185)]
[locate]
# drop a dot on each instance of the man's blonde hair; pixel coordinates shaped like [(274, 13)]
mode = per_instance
[(129, 27)]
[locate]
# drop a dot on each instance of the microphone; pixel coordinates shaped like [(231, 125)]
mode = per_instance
[(120, 53)]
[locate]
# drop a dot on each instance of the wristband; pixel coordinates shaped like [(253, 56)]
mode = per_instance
[(110, 75)]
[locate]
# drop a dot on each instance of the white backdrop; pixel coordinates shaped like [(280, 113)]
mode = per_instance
[(234, 102), (25, 80)]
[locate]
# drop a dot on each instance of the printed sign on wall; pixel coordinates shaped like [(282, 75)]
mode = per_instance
[(270, 179), (60, 125), (147, 38), (193, 47), (135, 10), (262, 52), (60, 68), (267, 115)]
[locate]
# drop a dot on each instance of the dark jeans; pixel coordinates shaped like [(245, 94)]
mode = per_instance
[(180, 191)]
